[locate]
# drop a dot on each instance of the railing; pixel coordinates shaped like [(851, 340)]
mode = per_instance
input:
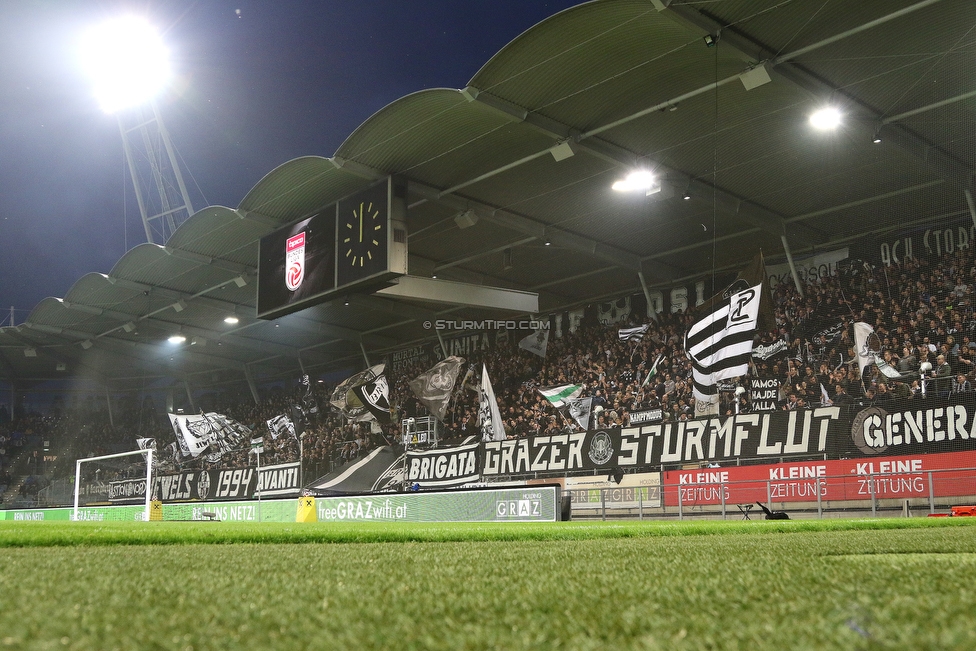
[(904, 493)]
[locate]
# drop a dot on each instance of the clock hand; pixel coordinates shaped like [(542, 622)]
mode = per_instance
[(360, 222)]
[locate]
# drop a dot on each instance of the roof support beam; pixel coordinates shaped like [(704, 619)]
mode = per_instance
[(927, 108), (854, 30), (258, 218), (748, 211), (357, 169), (245, 342), (233, 267), (468, 295), (508, 219), (441, 266), (58, 358), (785, 67), (313, 327), (467, 276), (200, 296), (127, 347), (505, 218), (538, 230)]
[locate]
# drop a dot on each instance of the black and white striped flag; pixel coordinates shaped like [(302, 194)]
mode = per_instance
[(632, 334), (719, 345)]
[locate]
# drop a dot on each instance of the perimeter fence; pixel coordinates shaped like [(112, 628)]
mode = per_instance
[(903, 490)]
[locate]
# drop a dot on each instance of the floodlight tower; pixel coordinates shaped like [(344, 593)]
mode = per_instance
[(129, 65)]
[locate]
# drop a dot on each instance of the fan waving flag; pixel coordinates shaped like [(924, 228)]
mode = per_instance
[(536, 343), (146, 444), (719, 345), (653, 371), (866, 345), (349, 404), (489, 416), (281, 425), (435, 386), (632, 334), (559, 396), (375, 397), (580, 409)]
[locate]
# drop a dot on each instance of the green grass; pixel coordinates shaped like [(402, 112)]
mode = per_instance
[(866, 584), (29, 534)]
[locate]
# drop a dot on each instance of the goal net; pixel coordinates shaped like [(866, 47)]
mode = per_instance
[(114, 487)]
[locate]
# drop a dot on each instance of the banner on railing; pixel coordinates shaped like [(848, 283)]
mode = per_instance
[(772, 434), (127, 490), (646, 416), (228, 484), (445, 467), (902, 477), (279, 480), (930, 428)]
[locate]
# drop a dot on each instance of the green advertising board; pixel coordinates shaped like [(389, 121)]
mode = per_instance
[(520, 504)]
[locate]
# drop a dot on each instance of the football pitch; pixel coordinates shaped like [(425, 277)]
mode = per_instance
[(840, 584)]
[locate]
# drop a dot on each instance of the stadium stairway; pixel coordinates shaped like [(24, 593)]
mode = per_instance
[(13, 490)]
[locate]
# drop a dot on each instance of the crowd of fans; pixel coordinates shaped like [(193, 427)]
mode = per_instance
[(921, 312)]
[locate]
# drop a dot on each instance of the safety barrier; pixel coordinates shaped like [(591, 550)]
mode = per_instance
[(802, 490)]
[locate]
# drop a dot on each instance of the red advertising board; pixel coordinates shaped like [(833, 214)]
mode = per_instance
[(903, 477)]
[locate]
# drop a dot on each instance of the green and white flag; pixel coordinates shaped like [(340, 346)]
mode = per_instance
[(653, 371), (560, 396), (257, 445)]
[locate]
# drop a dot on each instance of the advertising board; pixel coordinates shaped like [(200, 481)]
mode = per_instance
[(901, 477)]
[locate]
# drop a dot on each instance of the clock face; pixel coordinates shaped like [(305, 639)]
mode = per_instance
[(362, 235)]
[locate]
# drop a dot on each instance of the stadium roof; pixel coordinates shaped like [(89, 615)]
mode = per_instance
[(532, 146)]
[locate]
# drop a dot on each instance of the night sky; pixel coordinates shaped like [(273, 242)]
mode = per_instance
[(253, 89)]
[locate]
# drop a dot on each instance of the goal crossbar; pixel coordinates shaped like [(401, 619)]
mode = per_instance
[(148, 453)]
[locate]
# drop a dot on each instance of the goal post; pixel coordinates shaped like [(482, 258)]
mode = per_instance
[(114, 463)]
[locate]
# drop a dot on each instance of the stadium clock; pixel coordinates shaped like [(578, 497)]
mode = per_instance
[(363, 232)]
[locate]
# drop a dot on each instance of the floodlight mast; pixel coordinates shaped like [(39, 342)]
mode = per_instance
[(154, 169), (129, 64)]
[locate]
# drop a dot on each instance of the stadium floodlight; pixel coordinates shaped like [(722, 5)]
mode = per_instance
[(127, 62), (639, 180), (176, 339), (129, 65), (825, 119)]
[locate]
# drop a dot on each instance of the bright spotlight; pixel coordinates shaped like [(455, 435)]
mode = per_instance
[(641, 180), (127, 62), (231, 320), (176, 339), (825, 119)]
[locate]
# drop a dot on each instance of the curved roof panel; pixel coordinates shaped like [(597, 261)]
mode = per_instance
[(468, 139), (220, 233), (299, 188), (527, 154), (596, 62)]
